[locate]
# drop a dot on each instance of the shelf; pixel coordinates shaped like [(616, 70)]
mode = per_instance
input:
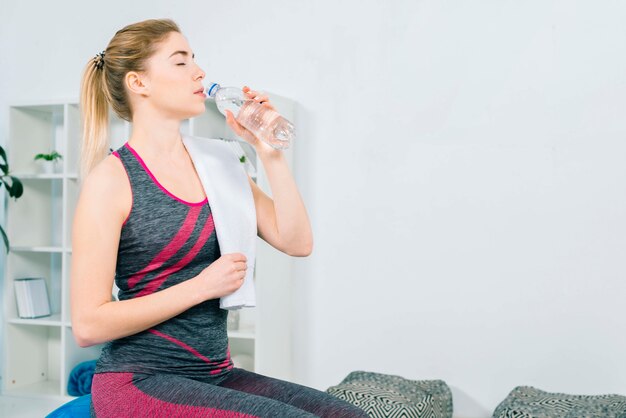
[(71, 147), (242, 353), (34, 219), (34, 130), (38, 176), (65, 297), (28, 263), (33, 360), (52, 320), (45, 104), (44, 388), (245, 333), (38, 249), (72, 191)]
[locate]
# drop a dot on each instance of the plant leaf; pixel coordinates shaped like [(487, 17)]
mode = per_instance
[(3, 155), (5, 164), (5, 239), (16, 189)]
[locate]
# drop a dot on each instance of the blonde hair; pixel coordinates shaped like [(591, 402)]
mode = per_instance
[(103, 84)]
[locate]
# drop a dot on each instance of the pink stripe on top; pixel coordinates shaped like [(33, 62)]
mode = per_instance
[(155, 283), (181, 344), (167, 192), (181, 237)]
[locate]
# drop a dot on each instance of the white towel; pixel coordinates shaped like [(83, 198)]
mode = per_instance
[(230, 197)]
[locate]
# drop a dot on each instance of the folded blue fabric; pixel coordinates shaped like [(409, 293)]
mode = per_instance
[(79, 382)]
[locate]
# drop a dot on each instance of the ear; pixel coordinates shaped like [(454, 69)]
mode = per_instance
[(137, 83)]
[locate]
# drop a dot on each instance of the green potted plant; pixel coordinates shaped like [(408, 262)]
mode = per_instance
[(48, 161), (247, 165), (12, 184)]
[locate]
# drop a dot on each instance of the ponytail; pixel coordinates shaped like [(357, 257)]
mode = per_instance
[(103, 84), (95, 119)]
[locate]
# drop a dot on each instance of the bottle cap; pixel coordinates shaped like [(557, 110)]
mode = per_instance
[(212, 89)]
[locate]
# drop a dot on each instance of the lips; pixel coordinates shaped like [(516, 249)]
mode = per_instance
[(200, 90)]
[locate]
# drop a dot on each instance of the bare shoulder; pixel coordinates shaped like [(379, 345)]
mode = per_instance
[(106, 190), (96, 227)]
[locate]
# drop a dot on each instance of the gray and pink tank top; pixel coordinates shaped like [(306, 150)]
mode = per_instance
[(165, 241)]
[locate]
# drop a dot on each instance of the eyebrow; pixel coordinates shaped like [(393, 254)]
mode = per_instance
[(185, 53)]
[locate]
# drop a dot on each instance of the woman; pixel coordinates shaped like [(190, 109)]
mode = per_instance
[(143, 218)]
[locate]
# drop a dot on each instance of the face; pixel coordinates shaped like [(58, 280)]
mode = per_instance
[(173, 82)]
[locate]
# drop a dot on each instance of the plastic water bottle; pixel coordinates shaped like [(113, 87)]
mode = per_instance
[(266, 124)]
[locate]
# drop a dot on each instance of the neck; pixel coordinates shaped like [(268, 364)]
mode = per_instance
[(156, 137)]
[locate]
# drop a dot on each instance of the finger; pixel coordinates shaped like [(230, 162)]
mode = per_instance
[(268, 105), (238, 257), (236, 126), (248, 91), (253, 93), (232, 122), (235, 257), (257, 96)]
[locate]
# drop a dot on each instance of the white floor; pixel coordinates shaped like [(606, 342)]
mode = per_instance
[(19, 407)]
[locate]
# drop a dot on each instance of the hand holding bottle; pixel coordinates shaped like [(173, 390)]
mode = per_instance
[(252, 117), (239, 129)]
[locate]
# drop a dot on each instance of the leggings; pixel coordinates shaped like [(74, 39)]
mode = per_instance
[(240, 394)]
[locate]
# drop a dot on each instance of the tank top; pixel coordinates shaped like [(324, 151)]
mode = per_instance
[(165, 241)]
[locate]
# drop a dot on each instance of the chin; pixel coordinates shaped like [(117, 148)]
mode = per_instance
[(201, 109), (193, 112)]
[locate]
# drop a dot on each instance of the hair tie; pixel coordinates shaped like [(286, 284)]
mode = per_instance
[(99, 60)]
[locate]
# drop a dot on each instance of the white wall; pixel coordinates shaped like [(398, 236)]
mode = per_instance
[(462, 165)]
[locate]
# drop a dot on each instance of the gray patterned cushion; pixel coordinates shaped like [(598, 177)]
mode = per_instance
[(382, 395), (529, 402)]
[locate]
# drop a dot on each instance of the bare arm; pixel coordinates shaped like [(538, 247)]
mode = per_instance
[(96, 228), (282, 221)]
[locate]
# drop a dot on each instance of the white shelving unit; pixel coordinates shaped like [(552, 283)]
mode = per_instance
[(39, 354)]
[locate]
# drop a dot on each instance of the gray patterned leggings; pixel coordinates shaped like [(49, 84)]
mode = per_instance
[(241, 394)]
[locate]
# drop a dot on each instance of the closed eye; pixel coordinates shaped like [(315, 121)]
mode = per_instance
[(182, 63)]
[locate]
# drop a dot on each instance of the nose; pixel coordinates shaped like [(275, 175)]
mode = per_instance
[(200, 74)]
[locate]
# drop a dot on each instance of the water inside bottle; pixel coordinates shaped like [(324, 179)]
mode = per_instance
[(283, 133), (233, 105)]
